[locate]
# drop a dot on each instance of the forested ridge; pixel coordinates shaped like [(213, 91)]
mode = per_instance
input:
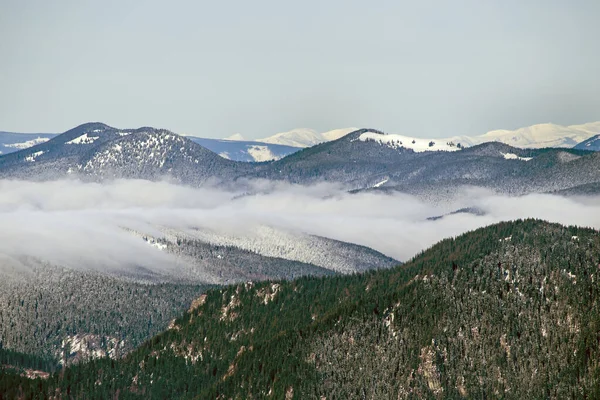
[(507, 311)]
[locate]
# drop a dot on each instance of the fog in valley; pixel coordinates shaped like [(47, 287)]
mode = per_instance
[(101, 226)]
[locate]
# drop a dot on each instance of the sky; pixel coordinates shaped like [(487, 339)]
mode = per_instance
[(430, 68)]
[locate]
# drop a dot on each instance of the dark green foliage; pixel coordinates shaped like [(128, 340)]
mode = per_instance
[(507, 311), (37, 314), (29, 361)]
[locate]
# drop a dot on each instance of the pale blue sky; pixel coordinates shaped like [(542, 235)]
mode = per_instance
[(424, 68)]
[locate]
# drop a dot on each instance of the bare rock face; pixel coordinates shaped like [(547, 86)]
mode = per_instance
[(85, 347)]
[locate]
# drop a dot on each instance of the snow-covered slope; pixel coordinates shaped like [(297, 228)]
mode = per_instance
[(269, 241), (591, 144), (417, 145), (304, 137)]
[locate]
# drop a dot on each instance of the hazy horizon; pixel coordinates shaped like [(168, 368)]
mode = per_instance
[(426, 69)]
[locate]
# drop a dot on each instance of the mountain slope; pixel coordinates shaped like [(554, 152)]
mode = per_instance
[(511, 310), (591, 144)]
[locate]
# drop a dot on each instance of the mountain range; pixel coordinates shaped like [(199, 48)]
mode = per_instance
[(363, 159), (281, 144)]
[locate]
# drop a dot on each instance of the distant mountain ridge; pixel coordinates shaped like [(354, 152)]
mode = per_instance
[(539, 136), (304, 137), (534, 136)]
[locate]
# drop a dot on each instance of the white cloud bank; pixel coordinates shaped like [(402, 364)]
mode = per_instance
[(81, 224)]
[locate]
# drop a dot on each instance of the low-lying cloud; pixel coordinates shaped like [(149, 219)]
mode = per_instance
[(87, 225)]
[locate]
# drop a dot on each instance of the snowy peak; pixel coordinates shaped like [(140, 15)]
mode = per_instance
[(304, 137)]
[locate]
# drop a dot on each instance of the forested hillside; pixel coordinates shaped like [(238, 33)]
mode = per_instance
[(507, 311)]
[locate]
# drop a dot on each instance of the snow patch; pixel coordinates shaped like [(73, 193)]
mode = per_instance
[(261, 153), (83, 139), (152, 242), (33, 156), (380, 183), (511, 156)]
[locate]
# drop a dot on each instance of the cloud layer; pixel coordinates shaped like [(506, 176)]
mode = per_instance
[(81, 225)]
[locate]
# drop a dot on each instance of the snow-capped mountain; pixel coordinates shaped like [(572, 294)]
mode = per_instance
[(591, 144), (304, 137)]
